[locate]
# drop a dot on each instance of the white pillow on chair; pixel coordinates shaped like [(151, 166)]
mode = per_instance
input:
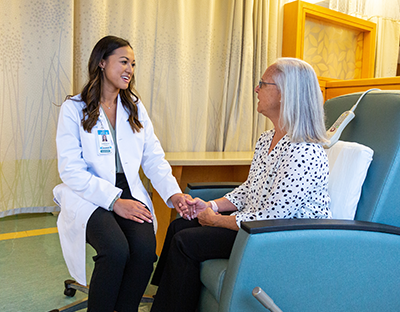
[(348, 166)]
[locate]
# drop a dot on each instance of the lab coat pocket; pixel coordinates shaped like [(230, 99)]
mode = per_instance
[(88, 143)]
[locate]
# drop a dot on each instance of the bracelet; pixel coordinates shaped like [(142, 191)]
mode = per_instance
[(214, 206)]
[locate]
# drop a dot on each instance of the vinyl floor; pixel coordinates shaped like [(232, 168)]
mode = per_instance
[(32, 268)]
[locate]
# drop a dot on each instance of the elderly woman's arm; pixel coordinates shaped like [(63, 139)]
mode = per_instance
[(198, 205), (210, 218)]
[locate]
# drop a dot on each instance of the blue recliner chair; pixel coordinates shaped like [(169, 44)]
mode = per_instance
[(325, 265)]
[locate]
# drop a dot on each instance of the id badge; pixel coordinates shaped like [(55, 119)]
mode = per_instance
[(105, 144)]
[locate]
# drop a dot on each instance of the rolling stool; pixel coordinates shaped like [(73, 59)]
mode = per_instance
[(70, 289)]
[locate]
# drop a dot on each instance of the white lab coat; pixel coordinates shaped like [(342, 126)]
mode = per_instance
[(89, 178)]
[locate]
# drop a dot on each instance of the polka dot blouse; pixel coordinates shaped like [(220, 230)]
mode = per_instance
[(290, 182)]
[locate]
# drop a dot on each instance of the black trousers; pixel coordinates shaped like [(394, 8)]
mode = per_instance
[(124, 261), (178, 270)]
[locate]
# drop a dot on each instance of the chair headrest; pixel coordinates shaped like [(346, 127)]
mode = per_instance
[(376, 125)]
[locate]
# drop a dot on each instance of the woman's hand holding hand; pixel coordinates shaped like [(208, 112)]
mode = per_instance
[(208, 217), (197, 205), (179, 201), (132, 210)]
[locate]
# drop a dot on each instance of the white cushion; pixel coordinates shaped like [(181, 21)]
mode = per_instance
[(348, 166)]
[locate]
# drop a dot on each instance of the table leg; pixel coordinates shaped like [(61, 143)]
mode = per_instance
[(164, 214)]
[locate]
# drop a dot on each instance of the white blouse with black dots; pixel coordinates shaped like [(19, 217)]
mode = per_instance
[(290, 182)]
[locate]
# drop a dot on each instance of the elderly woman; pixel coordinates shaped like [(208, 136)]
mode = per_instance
[(288, 178)]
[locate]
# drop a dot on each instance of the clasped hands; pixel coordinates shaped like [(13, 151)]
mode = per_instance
[(185, 205), (190, 208)]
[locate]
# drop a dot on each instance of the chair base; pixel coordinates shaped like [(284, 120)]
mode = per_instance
[(70, 289)]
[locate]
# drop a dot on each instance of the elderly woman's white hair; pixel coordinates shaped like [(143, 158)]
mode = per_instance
[(302, 113)]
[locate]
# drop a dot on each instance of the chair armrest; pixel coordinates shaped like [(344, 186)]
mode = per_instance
[(264, 226), (210, 190), (213, 185), (332, 263)]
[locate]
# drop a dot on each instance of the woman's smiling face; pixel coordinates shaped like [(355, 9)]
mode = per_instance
[(118, 69)]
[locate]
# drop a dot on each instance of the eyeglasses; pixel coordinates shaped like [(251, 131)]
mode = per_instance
[(260, 83)]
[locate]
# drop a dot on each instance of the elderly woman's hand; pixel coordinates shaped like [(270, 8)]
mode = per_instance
[(197, 205), (208, 217)]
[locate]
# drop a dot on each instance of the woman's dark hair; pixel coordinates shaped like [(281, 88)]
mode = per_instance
[(91, 92)]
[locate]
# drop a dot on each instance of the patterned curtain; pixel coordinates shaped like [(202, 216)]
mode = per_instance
[(36, 71)]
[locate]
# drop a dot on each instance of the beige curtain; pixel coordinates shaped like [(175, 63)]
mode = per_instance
[(386, 15), (198, 62), (36, 71)]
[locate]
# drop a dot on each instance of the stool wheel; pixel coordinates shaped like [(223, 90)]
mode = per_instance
[(68, 291)]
